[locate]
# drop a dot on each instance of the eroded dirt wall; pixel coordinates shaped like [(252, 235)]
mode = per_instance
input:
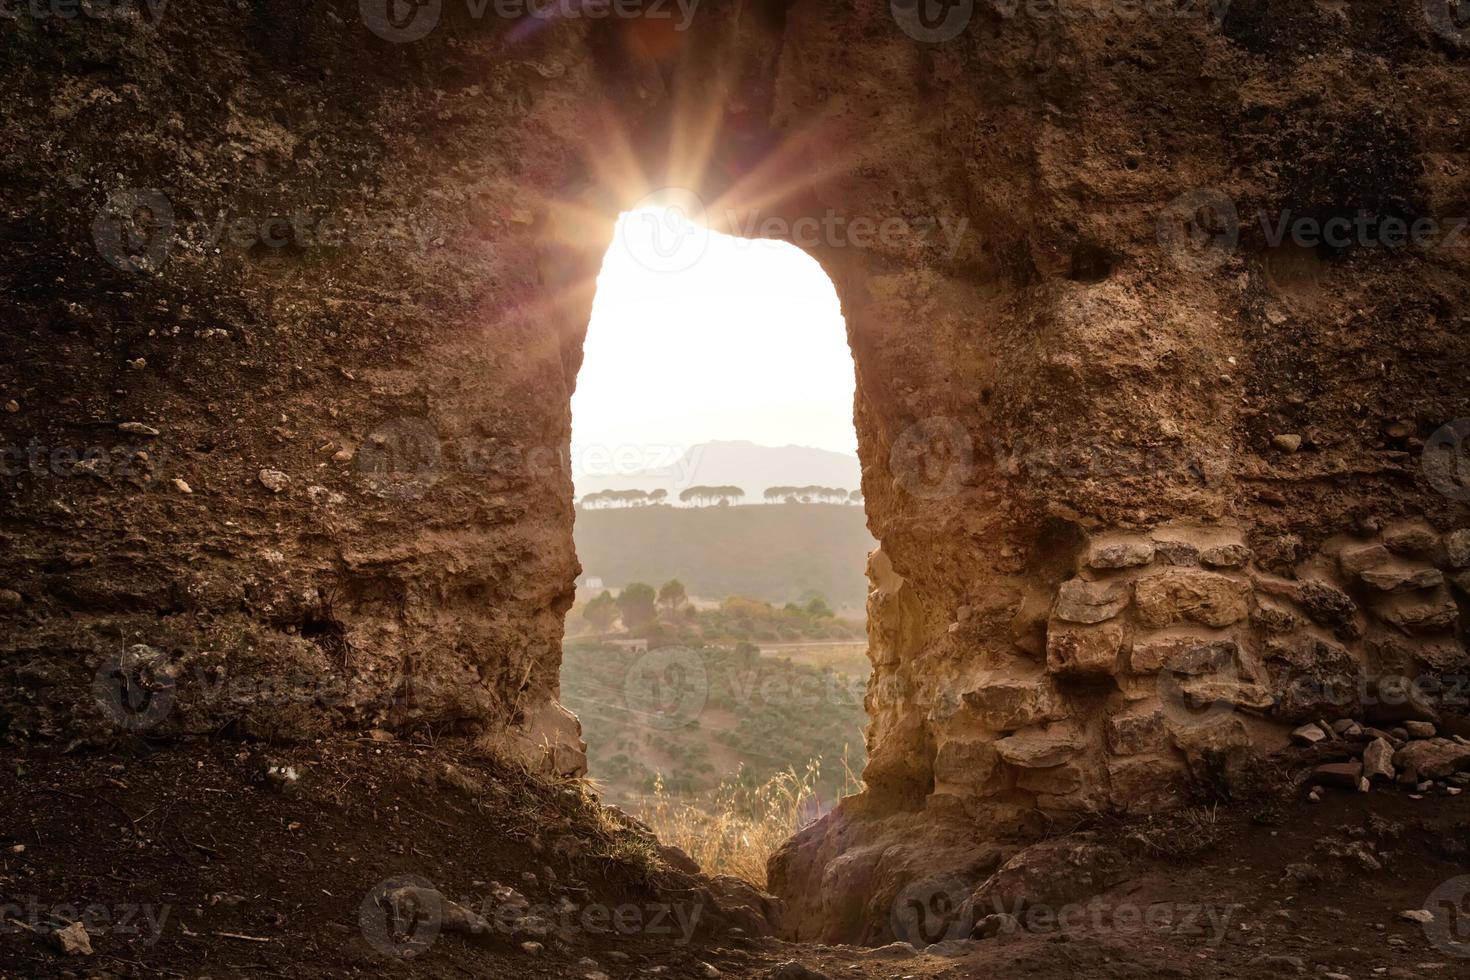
[(297, 304)]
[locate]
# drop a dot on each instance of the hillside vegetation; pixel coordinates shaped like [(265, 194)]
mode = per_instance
[(776, 552), (742, 719)]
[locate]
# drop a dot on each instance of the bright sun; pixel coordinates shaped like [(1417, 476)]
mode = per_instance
[(697, 336)]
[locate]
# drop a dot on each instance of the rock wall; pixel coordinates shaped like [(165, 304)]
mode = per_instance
[(1154, 468)]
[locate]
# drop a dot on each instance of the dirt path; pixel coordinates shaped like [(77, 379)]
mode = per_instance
[(200, 858)]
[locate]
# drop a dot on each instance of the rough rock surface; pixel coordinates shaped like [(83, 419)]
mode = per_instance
[(1084, 331)]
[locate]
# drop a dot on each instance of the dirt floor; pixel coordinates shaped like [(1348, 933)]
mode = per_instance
[(206, 858)]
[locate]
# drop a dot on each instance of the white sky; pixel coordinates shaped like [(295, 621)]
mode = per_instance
[(697, 336)]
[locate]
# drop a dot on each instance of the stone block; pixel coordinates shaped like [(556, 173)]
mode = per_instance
[(1080, 601), (1457, 548), (1140, 729), (1402, 577), (1057, 781), (1041, 748), (1080, 652), (966, 761), (1003, 699), (1114, 552), (1355, 559), (1182, 653), (1180, 595), (1410, 537), (1225, 556), (1145, 782), (1435, 612)]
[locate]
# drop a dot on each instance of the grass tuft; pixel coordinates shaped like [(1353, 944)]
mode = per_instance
[(736, 829)]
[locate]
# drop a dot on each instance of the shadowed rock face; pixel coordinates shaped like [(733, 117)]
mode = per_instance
[(297, 313)]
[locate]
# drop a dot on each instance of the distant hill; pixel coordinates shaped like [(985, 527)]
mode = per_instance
[(742, 464), (776, 552)]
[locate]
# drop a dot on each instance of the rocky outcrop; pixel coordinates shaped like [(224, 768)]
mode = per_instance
[(1191, 469)]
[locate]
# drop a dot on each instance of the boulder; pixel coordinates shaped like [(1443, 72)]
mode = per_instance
[(1084, 652), (1432, 758), (1081, 601), (1179, 595), (1053, 873), (749, 908)]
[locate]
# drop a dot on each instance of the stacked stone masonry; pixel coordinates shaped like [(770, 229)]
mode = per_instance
[(1171, 653)]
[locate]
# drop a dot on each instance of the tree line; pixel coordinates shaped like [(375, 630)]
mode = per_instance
[(705, 496)]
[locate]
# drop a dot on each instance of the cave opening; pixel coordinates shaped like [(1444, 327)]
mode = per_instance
[(716, 652)]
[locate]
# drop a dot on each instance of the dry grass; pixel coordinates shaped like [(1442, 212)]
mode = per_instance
[(737, 828)]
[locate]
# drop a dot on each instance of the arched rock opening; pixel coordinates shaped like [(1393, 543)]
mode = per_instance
[(1142, 507)]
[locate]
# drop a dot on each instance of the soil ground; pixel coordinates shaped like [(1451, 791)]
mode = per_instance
[(190, 859)]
